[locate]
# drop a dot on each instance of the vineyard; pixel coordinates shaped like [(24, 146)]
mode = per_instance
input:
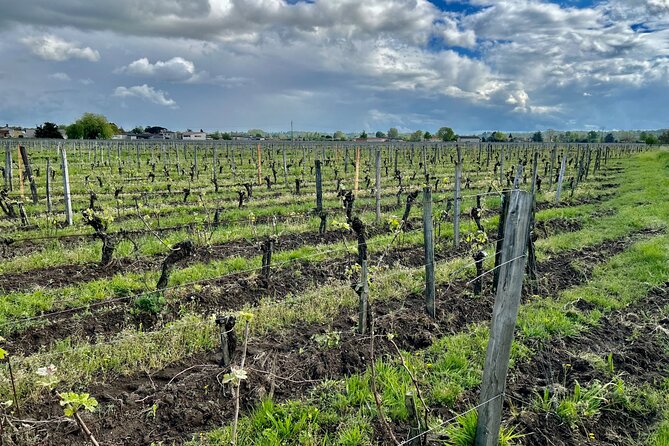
[(269, 293)]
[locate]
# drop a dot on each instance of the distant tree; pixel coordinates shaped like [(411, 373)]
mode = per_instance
[(498, 137), (609, 139), (649, 139), (226, 136), (510, 137), (74, 131), (416, 136), (154, 130), (380, 134), (258, 133), (116, 130), (593, 136), (93, 126), (137, 131), (446, 134), (427, 135), (538, 137), (664, 137), (339, 136), (393, 133), (48, 130), (216, 135), (627, 136), (363, 135)]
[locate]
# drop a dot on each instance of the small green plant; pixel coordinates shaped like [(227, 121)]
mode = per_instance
[(609, 363), (476, 240), (393, 224), (340, 225), (73, 403), (151, 303), (327, 340), (463, 431), (582, 402)]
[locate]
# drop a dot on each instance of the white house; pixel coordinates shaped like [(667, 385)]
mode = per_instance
[(194, 135)]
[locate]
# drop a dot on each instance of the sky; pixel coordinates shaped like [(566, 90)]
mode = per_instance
[(351, 65)]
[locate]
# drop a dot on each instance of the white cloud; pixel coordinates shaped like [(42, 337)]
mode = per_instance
[(60, 77), (175, 69), (51, 47), (147, 93)]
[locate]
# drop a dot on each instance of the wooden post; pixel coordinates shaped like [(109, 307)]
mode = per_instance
[(456, 199), (319, 187), (378, 185), (49, 204), (552, 168), (66, 186), (8, 167), (505, 314), (534, 172), (415, 428), (561, 178), (346, 160), (214, 169), (357, 171), (29, 173), (259, 160), (500, 237), (501, 166), (428, 238), (20, 162), (285, 165)]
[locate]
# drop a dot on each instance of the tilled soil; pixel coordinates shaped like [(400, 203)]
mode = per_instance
[(638, 343), (239, 290), (189, 397)]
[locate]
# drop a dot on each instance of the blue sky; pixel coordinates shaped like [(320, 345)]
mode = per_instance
[(516, 65)]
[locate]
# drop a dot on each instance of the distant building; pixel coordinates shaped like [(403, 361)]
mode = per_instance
[(29, 133), (370, 139), (200, 136), (10, 132), (129, 136), (466, 139), (240, 137)]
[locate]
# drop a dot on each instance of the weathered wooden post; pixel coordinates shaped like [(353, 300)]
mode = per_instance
[(456, 198), (378, 185), (505, 314), (561, 178), (357, 171), (428, 237), (501, 166), (259, 161), (49, 204), (66, 186), (29, 173), (506, 195), (8, 167), (552, 168), (535, 166), (285, 165)]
